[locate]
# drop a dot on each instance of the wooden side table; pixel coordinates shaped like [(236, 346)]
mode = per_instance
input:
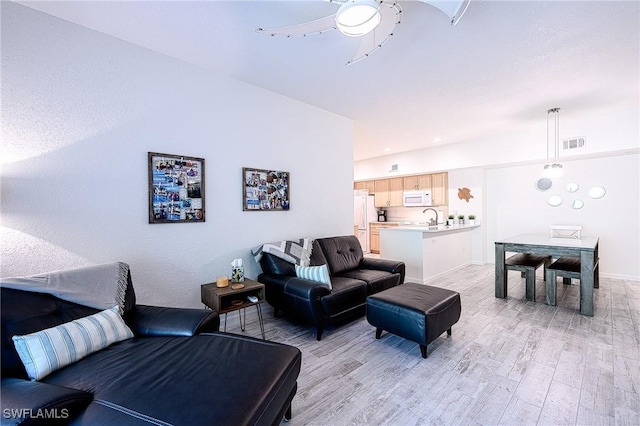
[(226, 299)]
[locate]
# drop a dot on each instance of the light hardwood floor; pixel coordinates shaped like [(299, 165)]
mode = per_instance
[(508, 362)]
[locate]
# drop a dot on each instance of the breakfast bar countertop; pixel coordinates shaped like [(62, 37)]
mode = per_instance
[(419, 227)]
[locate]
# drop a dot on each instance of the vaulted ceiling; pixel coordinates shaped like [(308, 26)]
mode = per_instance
[(503, 65)]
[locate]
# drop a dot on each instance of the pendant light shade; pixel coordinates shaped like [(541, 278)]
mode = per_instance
[(553, 168), (358, 17)]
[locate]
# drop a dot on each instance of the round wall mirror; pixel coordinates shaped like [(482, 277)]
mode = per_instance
[(543, 184), (577, 204), (597, 192), (554, 200), (572, 187)]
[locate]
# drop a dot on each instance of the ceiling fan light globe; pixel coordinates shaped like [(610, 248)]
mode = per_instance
[(356, 18)]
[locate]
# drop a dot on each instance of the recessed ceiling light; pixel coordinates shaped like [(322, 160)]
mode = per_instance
[(437, 140), (387, 149)]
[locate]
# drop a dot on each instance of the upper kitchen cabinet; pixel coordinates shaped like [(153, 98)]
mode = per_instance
[(440, 189), (367, 185), (417, 182), (388, 192)]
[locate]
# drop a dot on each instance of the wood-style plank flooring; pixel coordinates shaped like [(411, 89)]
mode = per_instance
[(508, 362)]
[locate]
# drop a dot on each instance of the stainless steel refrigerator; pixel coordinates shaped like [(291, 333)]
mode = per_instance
[(364, 212)]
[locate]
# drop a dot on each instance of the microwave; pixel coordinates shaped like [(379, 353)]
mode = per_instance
[(420, 198)]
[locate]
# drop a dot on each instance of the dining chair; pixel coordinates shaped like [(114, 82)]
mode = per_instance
[(567, 267), (566, 231), (527, 264), (572, 232)]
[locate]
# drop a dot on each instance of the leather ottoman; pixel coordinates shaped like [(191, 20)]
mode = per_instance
[(416, 312)]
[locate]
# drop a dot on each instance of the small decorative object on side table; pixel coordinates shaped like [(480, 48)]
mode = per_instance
[(237, 271), (227, 299)]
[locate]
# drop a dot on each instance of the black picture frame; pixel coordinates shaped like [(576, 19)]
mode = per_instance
[(265, 190), (176, 188)]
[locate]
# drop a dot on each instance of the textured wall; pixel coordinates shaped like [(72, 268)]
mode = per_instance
[(80, 111), (515, 206)]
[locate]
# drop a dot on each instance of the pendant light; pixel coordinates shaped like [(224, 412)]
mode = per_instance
[(553, 169)]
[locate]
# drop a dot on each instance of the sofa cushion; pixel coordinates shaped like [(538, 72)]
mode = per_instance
[(50, 349), (45, 311), (376, 280), (317, 256), (25, 402), (216, 378), (342, 253), (347, 293), (274, 265), (318, 274)]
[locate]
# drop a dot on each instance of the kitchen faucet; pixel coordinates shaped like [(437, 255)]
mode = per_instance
[(432, 222)]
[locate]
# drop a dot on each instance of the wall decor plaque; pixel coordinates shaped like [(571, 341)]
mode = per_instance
[(265, 189), (176, 188)]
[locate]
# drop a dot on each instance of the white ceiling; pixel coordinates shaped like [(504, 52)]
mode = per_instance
[(501, 67)]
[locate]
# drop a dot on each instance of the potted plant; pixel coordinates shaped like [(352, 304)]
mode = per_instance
[(472, 219), (451, 220), (461, 219)]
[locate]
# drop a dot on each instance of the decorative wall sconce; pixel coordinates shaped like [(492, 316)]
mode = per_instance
[(572, 187), (543, 184), (554, 200), (597, 192), (577, 204)]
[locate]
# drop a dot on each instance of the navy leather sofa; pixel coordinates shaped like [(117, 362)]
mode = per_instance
[(178, 369), (353, 278)]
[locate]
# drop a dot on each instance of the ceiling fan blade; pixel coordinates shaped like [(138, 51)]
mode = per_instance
[(454, 9), (391, 16), (318, 26)]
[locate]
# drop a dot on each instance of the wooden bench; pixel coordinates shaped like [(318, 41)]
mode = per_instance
[(566, 267), (527, 265)]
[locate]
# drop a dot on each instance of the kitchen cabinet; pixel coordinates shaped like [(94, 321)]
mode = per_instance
[(367, 185), (388, 192), (440, 189), (414, 183), (374, 235)]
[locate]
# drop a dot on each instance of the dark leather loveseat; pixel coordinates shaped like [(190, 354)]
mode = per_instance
[(353, 278), (177, 369)]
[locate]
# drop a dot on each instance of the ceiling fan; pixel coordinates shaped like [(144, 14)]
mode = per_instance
[(372, 20)]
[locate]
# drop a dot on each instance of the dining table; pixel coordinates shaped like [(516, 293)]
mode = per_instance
[(585, 248)]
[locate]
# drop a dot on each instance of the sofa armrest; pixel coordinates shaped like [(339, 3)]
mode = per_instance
[(25, 402), (296, 295), (294, 286), (392, 266), (163, 321)]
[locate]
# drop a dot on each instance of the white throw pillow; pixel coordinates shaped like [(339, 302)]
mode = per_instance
[(314, 273), (47, 350)]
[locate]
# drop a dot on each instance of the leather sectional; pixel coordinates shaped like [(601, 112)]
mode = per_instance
[(353, 278), (177, 369)]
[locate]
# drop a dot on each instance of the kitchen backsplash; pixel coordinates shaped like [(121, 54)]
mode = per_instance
[(414, 214)]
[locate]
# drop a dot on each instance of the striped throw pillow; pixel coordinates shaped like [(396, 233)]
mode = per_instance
[(314, 273), (47, 350)]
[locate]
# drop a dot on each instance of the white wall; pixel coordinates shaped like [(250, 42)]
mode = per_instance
[(80, 111), (515, 206), (607, 130), (474, 179), (501, 172)]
